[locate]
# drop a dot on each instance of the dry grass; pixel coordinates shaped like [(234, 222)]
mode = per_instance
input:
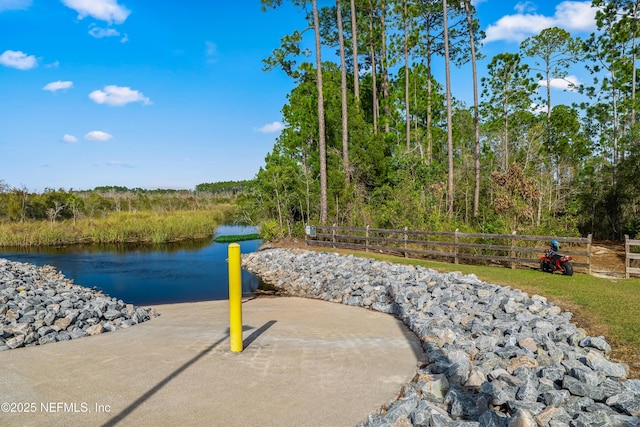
[(117, 227)]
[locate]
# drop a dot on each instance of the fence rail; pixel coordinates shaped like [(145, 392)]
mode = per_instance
[(630, 256), (512, 249)]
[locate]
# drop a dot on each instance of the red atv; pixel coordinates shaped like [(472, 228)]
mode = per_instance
[(552, 262)]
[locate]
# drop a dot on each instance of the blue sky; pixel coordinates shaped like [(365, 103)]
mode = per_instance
[(165, 94)]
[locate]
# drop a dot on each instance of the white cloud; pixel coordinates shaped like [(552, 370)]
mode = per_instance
[(271, 127), (517, 27), (98, 135), (537, 108), (576, 15), (212, 48), (118, 96), (59, 85), (69, 138), (570, 83), (116, 163), (14, 4), (524, 7), (103, 10), (570, 15), (18, 59), (124, 39), (211, 51), (99, 33), (54, 64)]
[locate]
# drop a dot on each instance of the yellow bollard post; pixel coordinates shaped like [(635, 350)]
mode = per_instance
[(235, 298)]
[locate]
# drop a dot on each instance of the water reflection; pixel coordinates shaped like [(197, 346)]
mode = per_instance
[(149, 274)]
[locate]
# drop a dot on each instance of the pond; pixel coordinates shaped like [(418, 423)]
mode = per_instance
[(149, 274)]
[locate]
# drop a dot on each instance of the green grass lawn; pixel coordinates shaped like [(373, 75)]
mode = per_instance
[(608, 307)]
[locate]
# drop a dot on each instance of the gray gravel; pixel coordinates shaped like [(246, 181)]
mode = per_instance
[(494, 356), (38, 305)]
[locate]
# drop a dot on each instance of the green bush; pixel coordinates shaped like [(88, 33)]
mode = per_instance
[(299, 230), (270, 231)]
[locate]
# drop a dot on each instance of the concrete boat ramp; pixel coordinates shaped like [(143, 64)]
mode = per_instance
[(305, 363)]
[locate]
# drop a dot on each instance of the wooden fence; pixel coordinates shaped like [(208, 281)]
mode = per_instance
[(629, 256), (509, 249)]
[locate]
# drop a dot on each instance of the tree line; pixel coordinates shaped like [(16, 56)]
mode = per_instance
[(378, 139), (21, 205)]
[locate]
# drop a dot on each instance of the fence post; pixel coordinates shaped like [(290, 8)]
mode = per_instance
[(366, 240), (513, 248), (455, 248), (333, 235), (406, 255), (627, 261), (589, 237), (235, 298)]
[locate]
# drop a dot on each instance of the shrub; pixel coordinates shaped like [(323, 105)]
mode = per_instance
[(270, 231)]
